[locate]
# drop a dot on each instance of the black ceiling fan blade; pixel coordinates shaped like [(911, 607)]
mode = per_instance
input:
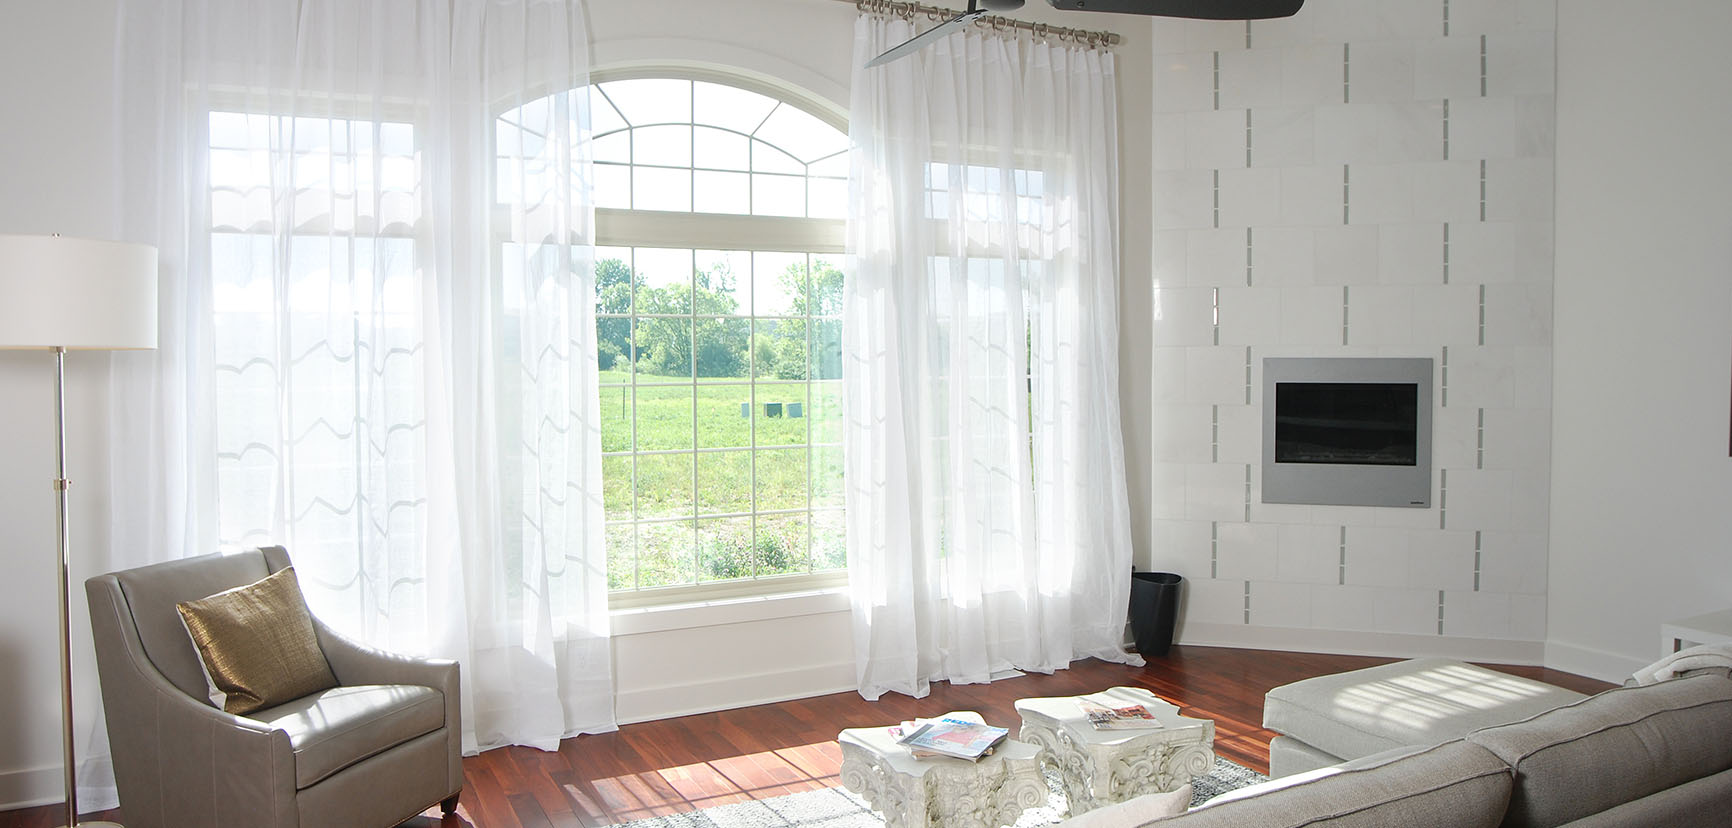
[(917, 42), (1196, 9)]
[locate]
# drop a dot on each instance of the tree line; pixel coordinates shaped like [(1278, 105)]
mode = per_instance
[(718, 347)]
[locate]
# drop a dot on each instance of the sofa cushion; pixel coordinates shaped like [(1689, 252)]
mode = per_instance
[(1419, 702), (336, 728), (1453, 785), (1616, 747)]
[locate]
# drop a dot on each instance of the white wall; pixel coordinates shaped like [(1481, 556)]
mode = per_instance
[(56, 174), (1642, 485), (1367, 178)]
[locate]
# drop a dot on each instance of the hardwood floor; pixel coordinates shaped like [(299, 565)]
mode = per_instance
[(677, 765)]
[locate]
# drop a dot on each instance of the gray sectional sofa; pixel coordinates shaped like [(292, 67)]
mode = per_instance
[(1631, 756)]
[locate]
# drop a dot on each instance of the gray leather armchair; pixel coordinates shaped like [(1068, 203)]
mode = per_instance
[(372, 752)]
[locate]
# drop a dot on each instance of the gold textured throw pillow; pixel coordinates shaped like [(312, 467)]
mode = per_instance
[(257, 644)]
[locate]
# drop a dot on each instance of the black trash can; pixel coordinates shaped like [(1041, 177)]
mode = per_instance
[(1154, 610)]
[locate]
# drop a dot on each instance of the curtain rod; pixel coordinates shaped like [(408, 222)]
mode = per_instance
[(939, 13)]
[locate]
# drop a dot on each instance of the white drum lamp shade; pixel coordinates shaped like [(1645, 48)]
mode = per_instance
[(59, 293), (62, 292)]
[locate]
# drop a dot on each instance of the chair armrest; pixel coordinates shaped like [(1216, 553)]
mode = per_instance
[(355, 663), (167, 746)]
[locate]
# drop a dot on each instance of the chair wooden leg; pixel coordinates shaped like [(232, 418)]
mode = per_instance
[(448, 805)]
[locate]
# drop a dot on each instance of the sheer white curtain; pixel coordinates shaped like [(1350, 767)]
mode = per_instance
[(988, 522), (379, 327)]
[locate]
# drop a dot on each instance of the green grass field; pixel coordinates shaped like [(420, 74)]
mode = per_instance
[(762, 461)]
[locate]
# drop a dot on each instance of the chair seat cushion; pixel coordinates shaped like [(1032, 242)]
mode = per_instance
[(1419, 702), (333, 729)]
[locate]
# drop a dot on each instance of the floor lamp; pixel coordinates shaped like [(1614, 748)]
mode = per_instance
[(59, 294)]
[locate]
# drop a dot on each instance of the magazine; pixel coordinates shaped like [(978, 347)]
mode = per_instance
[(951, 737), (1134, 717)]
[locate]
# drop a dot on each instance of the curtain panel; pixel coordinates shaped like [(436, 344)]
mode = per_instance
[(988, 521), (378, 328)]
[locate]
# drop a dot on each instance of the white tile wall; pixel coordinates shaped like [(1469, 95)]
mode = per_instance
[(1367, 178)]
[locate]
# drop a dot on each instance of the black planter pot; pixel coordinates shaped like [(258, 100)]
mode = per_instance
[(1154, 610)]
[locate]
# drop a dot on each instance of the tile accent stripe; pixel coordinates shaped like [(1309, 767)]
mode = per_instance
[(1341, 577), (1480, 451), (1247, 602), (1218, 75), (1446, 129), (1482, 314), (1446, 18), (1440, 612), (1478, 536), (1443, 499), (1215, 432), (1250, 256), (1214, 549), (1347, 179), (1247, 492), (1247, 375), (1217, 189), (1484, 64), (1215, 310), (1346, 76), (1443, 382), (1446, 252), (1344, 289), (1482, 189), (1247, 138)]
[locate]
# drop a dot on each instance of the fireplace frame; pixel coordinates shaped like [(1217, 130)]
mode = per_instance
[(1349, 484)]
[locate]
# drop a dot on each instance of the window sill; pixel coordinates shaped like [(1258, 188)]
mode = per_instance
[(669, 617)]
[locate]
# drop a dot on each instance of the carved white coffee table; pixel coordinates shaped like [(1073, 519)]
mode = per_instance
[(1100, 767), (941, 792)]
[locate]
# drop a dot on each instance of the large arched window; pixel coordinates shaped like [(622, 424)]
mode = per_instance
[(718, 282)]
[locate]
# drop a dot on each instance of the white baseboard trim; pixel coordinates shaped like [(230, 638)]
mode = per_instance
[(32, 787), (1348, 642), (1590, 662), (708, 696)]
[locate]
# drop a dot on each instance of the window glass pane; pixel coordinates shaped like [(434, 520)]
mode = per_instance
[(777, 423), (721, 150), (665, 554), (827, 349), (720, 478), (613, 148), (781, 547), (615, 417), (826, 412), (659, 189), (725, 549), (779, 284), (827, 476), (778, 195), (835, 166), (724, 416), (612, 186), (664, 353), (780, 349), (827, 197), (664, 485), (647, 101), (728, 107), (663, 145), (616, 487), (829, 541), (621, 556), (722, 192), (801, 134), (664, 417), (769, 159), (722, 345), (603, 117), (826, 289), (728, 273)]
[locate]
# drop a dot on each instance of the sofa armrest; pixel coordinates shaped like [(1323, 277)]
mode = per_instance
[(354, 663), (166, 744)]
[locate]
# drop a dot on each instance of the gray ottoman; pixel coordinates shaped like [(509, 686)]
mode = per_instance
[(1327, 720)]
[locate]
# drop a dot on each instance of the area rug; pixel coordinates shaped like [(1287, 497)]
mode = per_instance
[(838, 808)]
